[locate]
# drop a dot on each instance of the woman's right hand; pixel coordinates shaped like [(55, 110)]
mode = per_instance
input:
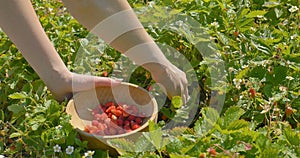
[(171, 79)]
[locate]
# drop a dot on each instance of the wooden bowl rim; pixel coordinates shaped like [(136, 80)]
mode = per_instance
[(153, 117)]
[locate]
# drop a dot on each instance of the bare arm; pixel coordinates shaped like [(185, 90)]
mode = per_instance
[(20, 22), (92, 13)]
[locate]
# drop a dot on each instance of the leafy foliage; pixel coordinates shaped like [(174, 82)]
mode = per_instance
[(256, 40)]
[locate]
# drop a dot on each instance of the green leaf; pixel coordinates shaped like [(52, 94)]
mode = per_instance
[(18, 95), (245, 24), (261, 47), (278, 75), (177, 102), (270, 152), (232, 114), (14, 135), (256, 13), (242, 73), (278, 12), (211, 114), (174, 146), (173, 155), (16, 108), (154, 135), (45, 136), (206, 123), (37, 121), (175, 11), (34, 127), (152, 126), (242, 13), (122, 144), (52, 106), (142, 144), (167, 112), (181, 114), (268, 90), (78, 142), (101, 154), (223, 38), (292, 137), (271, 4), (82, 144), (239, 124), (262, 142), (258, 72), (177, 131)]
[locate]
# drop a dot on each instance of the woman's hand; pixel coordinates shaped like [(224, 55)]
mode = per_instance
[(170, 78), (71, 83)]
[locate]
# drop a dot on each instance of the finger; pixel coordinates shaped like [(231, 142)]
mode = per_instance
[(183, 93), (105, 81), (183, 100), (186, 93)]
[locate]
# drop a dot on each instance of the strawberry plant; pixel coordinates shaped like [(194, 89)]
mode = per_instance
[(244, 56)]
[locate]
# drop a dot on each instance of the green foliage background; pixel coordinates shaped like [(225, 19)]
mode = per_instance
[(258, 40)]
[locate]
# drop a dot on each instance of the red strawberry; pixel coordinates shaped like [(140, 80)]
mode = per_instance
[(112, 131), (236, 33), (108, 110), (127, 127), (252, 92), (138, 120), (120, 122), (135, 126), (288, 111), (164, 117), (125, 114), (104, 73), (108, 119), (212, 152), (95, 111), (131, 117), (126, 123), (95, 123)]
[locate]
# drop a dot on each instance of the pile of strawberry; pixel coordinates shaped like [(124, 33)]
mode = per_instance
[(115, 118)]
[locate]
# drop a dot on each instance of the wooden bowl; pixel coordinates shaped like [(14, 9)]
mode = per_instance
[(79, 107)]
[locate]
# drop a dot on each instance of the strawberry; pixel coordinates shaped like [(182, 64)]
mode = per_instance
[(212, 152), (138, 120), (95, 123), (109, 117), (135, 126), (131, 117), (252, 92), (288, 111)]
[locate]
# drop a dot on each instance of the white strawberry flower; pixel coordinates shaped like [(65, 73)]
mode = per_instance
[(89, 154), (57, 148), (293, 9), (69, 150)]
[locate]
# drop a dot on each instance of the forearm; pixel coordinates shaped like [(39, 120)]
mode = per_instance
[(116, 23), (20, 22), (92, 13)]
